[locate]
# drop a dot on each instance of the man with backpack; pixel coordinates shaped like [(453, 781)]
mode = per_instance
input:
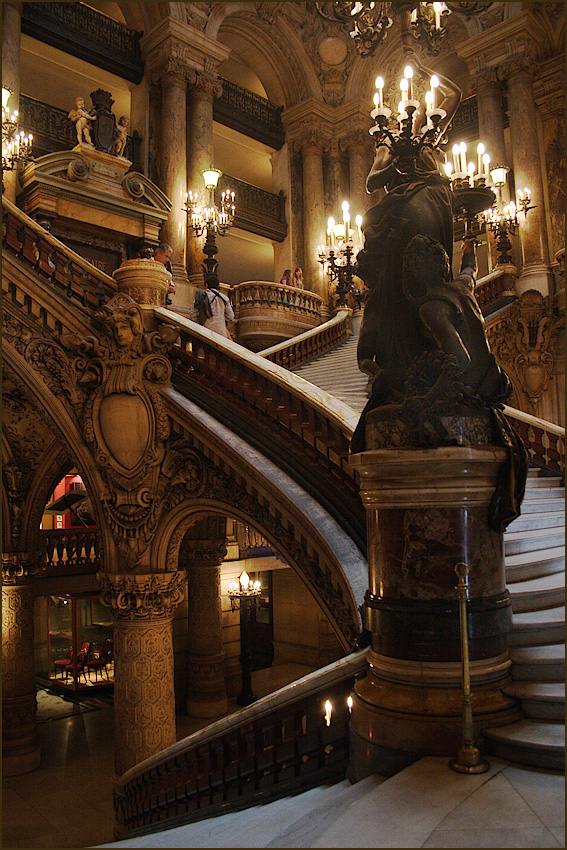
[(212, 309)]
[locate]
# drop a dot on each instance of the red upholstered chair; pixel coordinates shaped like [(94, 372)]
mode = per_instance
[(80, 664), (62, 663), (97, 661)]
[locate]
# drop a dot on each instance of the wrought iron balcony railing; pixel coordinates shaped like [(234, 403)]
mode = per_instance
[(250, 114), (257, 210)]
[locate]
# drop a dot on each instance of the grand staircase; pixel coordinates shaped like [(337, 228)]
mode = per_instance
[(534, 548)]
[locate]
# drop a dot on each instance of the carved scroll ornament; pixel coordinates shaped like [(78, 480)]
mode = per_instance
[(142, 596)]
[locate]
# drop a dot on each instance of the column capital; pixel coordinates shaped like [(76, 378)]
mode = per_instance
[(356, 138), (204, 84), (20, 568), (520, 66), (173, 47), (485, 79), (203, 553), (142, 596), (311, 139)]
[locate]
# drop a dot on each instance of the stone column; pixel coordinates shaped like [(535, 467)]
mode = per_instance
[(490, 118), (11, 28), (427, 511), (358, 145), (311, 145), (202, 553), (202, 92), (536, 270), (142, 606), (172, 167), (337, 191), (20, 741)]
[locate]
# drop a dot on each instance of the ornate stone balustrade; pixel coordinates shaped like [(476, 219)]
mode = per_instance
[(250, 114), (545, 442), (70, 551), (65, 270), (311, 343), (278, 745), (267, 313), (496, 289)]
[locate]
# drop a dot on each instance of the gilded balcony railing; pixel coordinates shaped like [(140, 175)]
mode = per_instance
[(278, 746), (70, 551)]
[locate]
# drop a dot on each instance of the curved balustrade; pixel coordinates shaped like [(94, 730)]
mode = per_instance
[(496, 289), (65, 270), (544, 441), (275, 747), (70, 551), (267, 313), (309, 344)]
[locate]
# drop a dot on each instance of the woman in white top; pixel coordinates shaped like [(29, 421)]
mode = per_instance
[(212, 309)]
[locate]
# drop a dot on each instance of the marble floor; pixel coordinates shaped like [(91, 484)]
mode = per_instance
[(67, 802)]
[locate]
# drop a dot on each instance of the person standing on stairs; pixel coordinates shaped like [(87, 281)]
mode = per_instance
[(212, 309)]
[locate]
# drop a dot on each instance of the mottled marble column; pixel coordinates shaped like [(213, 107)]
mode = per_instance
[(314, 225), (202, 92), (491, 119), (202, 552), (142, 606), (11, 28), (358, 146), (20, 741), (427, 510), (172, 171), (536, 270)]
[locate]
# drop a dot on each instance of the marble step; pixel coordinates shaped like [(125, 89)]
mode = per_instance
[(536, 483), (538, 663), (532, 742), (544, 505), (540, 700), (547, 591), (552, 520), (531, 565), (535, 628), (548, 494), (516, 543)]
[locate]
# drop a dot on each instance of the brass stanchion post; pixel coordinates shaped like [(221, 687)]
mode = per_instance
[(468, 759)]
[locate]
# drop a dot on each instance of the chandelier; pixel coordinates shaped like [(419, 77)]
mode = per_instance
[(16, 146), (210, 219), (337, 255), (369, 21)]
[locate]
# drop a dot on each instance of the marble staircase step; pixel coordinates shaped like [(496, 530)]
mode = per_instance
[(540, 700), (542, 505), (533, 742), (535, 564), (551, 520), (538, 663), (516, 543), (547, 493), (544, 592), (537, 483), (531, 628)]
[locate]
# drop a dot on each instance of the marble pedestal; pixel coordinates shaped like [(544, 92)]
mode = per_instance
[(427, 510)]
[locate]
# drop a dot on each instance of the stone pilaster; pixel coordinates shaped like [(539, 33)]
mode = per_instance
[(311, 144), (490, 119), (142, 606), (11, 29), (203, 551), (203, 89), (359, 147), (20, 741), (536, 270)]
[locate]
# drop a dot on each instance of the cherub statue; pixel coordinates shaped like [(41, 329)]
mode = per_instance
[(120, 136), (81, 119)]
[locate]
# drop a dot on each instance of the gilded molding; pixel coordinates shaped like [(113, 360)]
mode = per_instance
[(136, 596)]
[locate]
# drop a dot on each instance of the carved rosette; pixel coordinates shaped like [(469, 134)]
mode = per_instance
[(142, 596), (124, 419)]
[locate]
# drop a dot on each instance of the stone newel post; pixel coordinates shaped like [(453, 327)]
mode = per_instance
[(147, 282), (142, 606), (20, 742)]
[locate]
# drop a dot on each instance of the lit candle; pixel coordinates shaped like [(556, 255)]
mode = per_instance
[(437, 7), (379, 83), (428, 100), (434, 83), (408, 74), (328, 712), (346, 215), (463, 149), (456, 157), (404, 85), (448, 168), (244, 580), (480, 149), (402, 110), (331, 229), (358, 221), (470, 171), (486, 163)]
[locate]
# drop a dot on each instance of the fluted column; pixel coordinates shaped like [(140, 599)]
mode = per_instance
[(202, 92), (11, 28), (490, 117), (20, 741), (202, 552), (536, 271), (312, 145), (142, 606)]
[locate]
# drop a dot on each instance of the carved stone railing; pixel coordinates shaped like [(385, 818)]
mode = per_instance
[(496, 289), (81, 31), (267, 313), (57, 264), (250, 114), (257, 210), (309, 344), (53, 130), (70, 551), (278, 746), (545, 442)]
